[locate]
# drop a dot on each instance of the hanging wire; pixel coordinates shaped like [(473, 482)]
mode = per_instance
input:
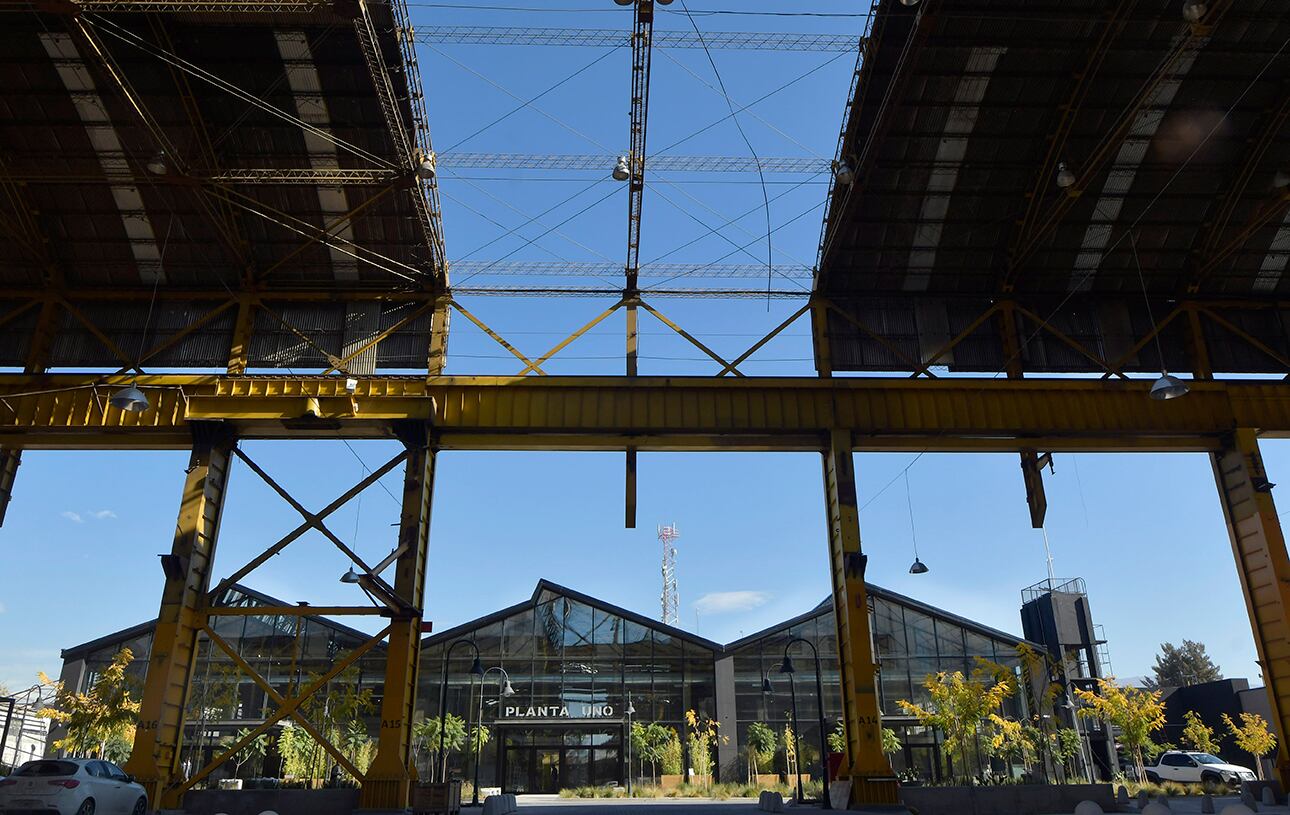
[(909, 502)]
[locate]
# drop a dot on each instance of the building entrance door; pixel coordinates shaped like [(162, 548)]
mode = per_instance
[(547, 761), (547, 766)]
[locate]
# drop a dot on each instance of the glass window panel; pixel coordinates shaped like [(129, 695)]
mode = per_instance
[(894, 685), (979, 646), (949, 639), (920, 633)]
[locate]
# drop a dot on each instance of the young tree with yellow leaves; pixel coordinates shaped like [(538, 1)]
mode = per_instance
[(100, 723), (1138, 714), (959, 706), (1197, 734), (1252, 736)]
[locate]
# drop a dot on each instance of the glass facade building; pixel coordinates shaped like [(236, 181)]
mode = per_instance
[(579, 669)]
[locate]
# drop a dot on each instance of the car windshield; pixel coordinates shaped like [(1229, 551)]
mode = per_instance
[(46, 768), (1206, 758)]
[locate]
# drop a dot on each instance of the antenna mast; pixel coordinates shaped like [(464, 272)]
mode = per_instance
[(667, 536)]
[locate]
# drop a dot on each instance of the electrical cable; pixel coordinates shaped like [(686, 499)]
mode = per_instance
[(756, 101), (751, 113), (528, 241), (524, 214), (528, 102), (549, 209), (518, 98), (727, 239)]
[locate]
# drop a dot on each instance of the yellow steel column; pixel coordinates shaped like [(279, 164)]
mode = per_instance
[(872, 781), (388, 784), (1264, 568), (155, 758)]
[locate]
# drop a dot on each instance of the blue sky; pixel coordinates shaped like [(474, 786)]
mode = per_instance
[(1146, 531)]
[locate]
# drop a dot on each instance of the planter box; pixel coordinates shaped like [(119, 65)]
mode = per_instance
[(767, 780), (439, 797), (283, 802), (1017, 799)]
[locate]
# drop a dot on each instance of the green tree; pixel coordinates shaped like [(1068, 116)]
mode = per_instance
[(671, 757), (1177, 667), (959, 706), (356, 745), (649, 742), (1138, 713), (254, 751), (1197, 734), (427, 731), (760, 742), (479, 738), (301, 758), (1066, 745), (890, 743), (99, 723), (1252, 736)]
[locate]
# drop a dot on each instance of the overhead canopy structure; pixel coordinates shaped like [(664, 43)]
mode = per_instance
[(1035, 159), (214, 152)]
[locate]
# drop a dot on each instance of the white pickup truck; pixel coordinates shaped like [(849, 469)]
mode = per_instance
[(1197, 768)]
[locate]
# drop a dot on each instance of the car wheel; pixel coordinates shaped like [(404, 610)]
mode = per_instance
[(86, 808), (1152, 777), (141, 807), (1212, 779)]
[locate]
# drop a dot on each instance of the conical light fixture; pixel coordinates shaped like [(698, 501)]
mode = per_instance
[(786, 667), (1168, 386), (426, 169), (350, 576), (845, 175), (476, 668), (766, 687), (1194, 10), (631, 709), (621, 171), (918, 566), (129, 399), (157, 164), (507, 690), (1065, 178)]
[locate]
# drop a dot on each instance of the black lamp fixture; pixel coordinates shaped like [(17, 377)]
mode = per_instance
[(476, 667), (766, 687), (787, 667), (918, 566)]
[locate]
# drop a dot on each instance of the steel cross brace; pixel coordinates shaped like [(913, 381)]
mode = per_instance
[(312, 521)]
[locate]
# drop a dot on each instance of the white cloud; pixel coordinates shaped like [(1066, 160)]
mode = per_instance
[(74, 517), (104, 514), (725, 602)]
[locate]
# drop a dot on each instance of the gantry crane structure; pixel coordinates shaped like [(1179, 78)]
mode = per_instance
[(1090, 187)]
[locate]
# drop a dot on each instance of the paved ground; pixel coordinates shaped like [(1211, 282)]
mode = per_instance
[(555, 805)]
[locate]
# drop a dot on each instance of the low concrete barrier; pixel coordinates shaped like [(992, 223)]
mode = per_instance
[(285, 802), (1017, 799), (770, 801)]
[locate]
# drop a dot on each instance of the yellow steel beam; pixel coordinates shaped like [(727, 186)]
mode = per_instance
[(278, 699), (62, 411), (154, 760), (294, 611), (867, 768), (1264, 569), (388, 783)]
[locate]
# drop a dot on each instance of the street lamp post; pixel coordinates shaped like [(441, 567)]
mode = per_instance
[(476, 669), (4, 734), (630, 711), (503, 691), (787, 667)]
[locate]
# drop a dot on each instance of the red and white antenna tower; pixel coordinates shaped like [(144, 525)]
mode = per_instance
[(667, 536)]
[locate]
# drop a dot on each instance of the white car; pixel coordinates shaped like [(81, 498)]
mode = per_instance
[(1197, 768), (71, 786)]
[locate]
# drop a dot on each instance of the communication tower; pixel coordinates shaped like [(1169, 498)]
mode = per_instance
[(667, 536)]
